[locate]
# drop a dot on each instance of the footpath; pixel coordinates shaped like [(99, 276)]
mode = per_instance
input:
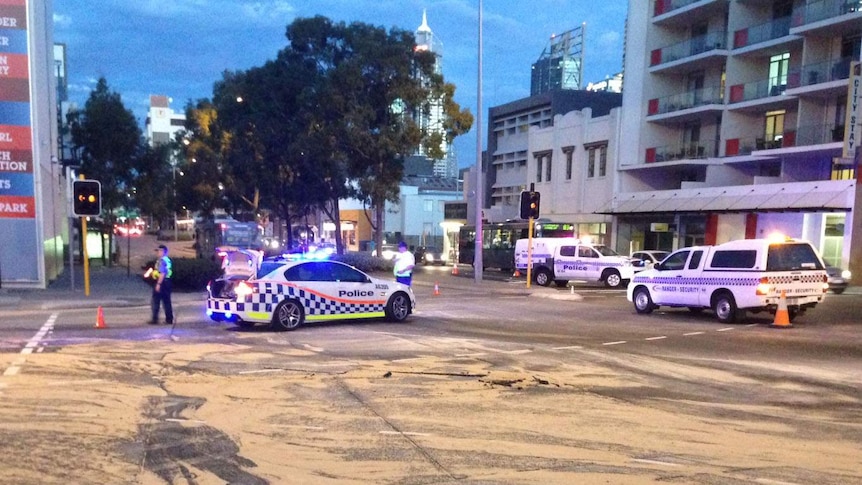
[(121, 285)]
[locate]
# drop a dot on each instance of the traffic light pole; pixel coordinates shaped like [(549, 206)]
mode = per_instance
[(85, 256), (530, 253)]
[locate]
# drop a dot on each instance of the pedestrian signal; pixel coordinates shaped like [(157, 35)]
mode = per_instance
[(529, 205), (86, 198)]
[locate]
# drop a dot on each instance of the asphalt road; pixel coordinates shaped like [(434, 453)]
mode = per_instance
[(483, 384)]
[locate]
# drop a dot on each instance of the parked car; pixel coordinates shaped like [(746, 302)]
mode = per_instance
[(646, 259), (838, 279), (429, 255)]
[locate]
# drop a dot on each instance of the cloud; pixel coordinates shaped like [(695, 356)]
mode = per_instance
[(62, 21)]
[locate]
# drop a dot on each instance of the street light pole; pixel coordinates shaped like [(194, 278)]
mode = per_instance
[(480, 180)]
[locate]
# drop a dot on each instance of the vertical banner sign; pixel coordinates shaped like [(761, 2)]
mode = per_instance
[(16, 140), (853, 130), (19, 249)]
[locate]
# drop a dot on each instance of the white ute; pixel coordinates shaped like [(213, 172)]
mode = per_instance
[(560, 259), (734, 277)]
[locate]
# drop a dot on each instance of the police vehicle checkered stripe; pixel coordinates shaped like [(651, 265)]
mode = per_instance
[(271, 294), (786, 280), (698, 281)]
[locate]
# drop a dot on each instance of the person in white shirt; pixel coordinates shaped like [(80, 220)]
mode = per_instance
[(404, 263)]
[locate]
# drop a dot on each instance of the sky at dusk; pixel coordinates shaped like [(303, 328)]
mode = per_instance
[(179, 48)]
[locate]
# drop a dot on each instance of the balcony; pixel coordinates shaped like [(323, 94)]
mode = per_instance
[(822, 79), (701, 48), (758, 95), (682, 13), (682, 104), (749, 145), (761, 33), (696, 150), (820, 134), (828, 17)]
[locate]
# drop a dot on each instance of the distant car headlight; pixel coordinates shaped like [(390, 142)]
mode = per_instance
[(845, 274), (429, 257)]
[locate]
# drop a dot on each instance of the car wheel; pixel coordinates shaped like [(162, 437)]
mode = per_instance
[(288, 315), (642, 300), (398, 307), (543, 277), (613, 279), (725, 308), (837, 291)]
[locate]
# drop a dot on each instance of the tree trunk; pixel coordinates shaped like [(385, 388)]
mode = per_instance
[(379, 206)]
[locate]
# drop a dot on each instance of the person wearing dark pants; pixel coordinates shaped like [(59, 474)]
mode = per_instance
[(162, 289)]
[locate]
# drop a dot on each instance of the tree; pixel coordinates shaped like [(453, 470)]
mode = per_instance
[(107, 139)]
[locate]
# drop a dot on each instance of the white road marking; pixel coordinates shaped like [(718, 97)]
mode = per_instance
[(477, 354), (615, 343), (655, 462), (31, 344), (407, 360), (293, 426), (726, 329), (404, 433), (693, 333), (175, 420), (261, 371), (656, 338), (76, 383), (515, 352), (773, 482), (571, 347), (313, 348)]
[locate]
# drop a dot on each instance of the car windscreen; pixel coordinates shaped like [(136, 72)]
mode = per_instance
[(792, 257), (268, 267)]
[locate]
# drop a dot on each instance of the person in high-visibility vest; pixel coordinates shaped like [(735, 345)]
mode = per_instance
[(162, 274)]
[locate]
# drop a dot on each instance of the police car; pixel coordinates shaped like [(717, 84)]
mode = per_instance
[(285, 294)]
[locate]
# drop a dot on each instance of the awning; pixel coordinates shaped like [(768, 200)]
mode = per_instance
[(817, 196)]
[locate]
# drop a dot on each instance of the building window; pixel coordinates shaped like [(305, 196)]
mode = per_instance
[(774, 130), (569, 151), (778, 67), (603, 161), (538, 168), (591, 162), (548, 167)]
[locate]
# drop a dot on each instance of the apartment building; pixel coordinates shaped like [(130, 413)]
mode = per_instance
[(735, 124)]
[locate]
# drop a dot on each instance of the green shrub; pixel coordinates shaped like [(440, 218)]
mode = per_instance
[(192, 274)]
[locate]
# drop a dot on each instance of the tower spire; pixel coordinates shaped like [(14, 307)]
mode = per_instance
[(424, 27)]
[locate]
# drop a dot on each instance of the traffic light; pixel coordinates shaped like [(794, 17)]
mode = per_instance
[(86, 198), (529, 205)]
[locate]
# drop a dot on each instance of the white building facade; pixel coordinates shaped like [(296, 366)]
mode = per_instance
[(735, 122), (570, 165)]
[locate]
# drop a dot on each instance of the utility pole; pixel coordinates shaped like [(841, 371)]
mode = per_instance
[(478, 266)]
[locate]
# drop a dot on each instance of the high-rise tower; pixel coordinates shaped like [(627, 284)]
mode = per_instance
[(431, 120)]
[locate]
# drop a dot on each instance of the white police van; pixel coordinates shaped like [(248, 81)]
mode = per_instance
[(734, 277), (560, 259)]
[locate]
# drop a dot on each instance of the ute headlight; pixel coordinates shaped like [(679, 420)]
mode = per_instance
[(846, 274)]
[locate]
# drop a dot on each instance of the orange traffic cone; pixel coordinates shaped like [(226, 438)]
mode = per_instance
[(455, 269), (100, 319), (516, 274), (782, 316), (436, 289)]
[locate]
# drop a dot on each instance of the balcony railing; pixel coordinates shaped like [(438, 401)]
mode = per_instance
[(745, 146), (761, 33), (690, 99), (664, 6), (692, 47), (820, 72), (764, 88), (681, 151), (824, 9), (819, 134)]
